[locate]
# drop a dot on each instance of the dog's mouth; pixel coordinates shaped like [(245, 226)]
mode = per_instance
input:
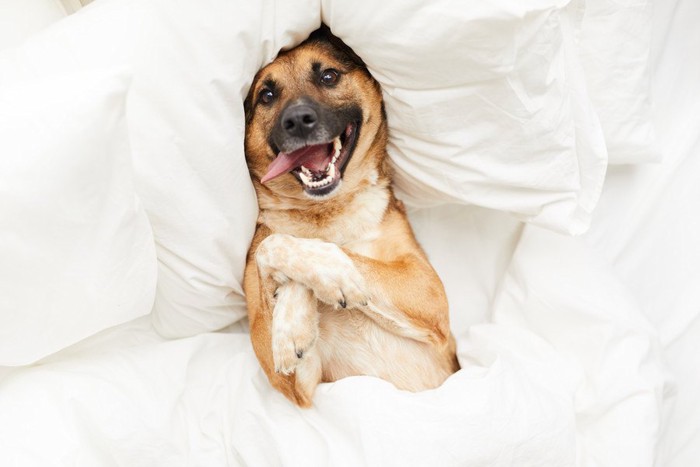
[(319, 167)]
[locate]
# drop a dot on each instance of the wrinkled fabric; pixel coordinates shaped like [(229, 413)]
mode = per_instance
[(560, 365)]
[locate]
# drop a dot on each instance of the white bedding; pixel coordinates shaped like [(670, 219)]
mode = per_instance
[(575, 350)]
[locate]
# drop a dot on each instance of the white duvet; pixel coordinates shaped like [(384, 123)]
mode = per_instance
[(500, 148)]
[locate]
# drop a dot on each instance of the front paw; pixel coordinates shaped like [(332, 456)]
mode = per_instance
[(341, 287), (294, 326), (321, 266)]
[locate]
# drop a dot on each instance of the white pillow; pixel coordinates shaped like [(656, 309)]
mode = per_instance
[(485, 104), (615, 46), (19, 19), (538, 153), (193, 70), (77, 251)]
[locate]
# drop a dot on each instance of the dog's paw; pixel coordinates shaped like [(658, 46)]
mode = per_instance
[(322, 266), (294, 326), (339, 287), (289, 349)]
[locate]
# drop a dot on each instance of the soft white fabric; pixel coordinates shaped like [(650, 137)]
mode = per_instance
[(134, 400), (569, 354), (530, 143), (192, 69), (615, 50), (76, 248), (568, 375), (19, 19), (648, 224), (560, 290), (195, 63), (486, 109)]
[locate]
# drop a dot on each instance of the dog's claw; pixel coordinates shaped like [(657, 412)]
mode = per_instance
[(343, 303), (300, 353)]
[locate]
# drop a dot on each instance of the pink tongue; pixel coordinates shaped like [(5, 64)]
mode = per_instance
[(314, 158)]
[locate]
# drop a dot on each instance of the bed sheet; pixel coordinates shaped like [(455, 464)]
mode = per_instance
[(647, 224), (129, 398), (568, 372)]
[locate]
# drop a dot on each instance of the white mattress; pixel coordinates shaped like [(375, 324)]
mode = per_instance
[(575, 350)]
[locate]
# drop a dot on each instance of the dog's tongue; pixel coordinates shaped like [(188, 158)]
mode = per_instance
[(314, 158)]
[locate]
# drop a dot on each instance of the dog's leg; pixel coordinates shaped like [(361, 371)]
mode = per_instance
[(283, 329), (321, 266), (407, 297), (403, 295), (294, 329)]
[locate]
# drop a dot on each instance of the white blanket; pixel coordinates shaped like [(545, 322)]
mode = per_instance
[(560, 365), (566, 371)]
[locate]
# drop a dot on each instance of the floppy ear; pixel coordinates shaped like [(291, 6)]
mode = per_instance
[(248, 107), (248, 102)]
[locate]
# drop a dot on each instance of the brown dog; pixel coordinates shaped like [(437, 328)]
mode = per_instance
[(335, 281)]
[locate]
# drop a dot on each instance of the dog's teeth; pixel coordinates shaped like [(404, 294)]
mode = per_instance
[(337, 146), (328, 167), (307, 177), (306, 180), (319, 183)]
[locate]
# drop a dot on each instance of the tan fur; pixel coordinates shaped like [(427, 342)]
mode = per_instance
[(339, 286)]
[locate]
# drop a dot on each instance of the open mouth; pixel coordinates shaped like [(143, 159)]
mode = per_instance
[(319, 167)]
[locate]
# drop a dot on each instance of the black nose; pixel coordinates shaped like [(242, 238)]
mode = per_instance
[(299, 120)]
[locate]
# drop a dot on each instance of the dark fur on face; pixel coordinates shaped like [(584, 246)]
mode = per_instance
[(341, 53)]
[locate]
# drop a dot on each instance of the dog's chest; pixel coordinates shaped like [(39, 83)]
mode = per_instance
[(354, 226)]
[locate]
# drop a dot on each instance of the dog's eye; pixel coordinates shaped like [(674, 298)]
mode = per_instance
[(329, 77), (266, 95)]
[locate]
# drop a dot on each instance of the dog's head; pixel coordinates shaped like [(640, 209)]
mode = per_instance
[(315, 122)]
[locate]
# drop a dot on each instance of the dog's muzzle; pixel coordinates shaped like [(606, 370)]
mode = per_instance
[(315, 144)]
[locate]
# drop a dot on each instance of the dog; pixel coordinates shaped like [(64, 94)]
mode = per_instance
[(335, 281)]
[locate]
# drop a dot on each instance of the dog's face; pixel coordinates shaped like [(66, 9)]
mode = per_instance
[(315, 123)]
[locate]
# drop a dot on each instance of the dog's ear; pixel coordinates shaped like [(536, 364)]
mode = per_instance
[(248, 102), (248, 107), (324, 34)]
